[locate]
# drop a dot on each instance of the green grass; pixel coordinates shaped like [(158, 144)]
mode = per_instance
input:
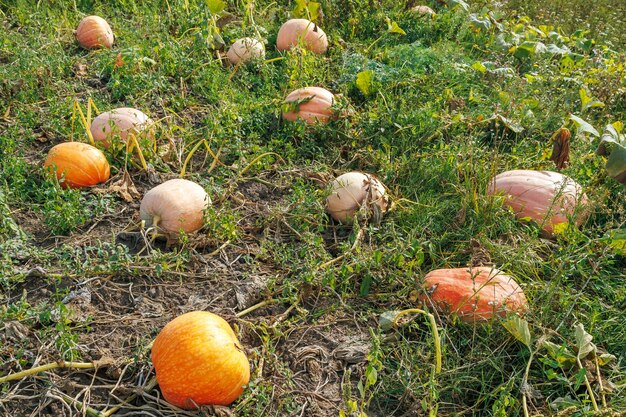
[(444, 107)]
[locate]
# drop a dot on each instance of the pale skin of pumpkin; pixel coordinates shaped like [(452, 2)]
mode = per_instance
[(199, 361), (350, 191), (121, 121), (78, 164), (473, 294), (175, 205), (548, 198)]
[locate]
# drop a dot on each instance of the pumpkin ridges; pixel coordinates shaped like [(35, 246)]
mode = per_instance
[(82, 164), (184, 376), (549, 198), (474, 294)]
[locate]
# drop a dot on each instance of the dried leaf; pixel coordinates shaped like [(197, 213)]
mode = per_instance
[(124, 187), (583, 341), (560, 148), (387, 319)]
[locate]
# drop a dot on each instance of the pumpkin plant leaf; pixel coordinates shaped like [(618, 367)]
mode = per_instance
[(215, 6), (307, 9), (559, 353), (583, 126), (392, 27), (588, 102), (616, 240), (613, 146), (583, 341), (458, 3), (518, 327), (606, 358), (365, 82), (387, 319)]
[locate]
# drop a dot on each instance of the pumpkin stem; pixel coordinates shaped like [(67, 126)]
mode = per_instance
[(47, 367), (433, 328)]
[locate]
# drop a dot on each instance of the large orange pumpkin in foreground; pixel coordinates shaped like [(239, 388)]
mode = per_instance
[(94, 32), (473, 294), (121, 121), (78, 164), (199, 361), (296, 31), (311, 104), (548, 198)]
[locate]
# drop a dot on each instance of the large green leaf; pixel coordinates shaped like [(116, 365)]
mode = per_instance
[(518, 327), (582, 126)]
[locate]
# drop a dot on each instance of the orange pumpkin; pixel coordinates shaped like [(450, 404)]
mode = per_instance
[(311, 104), (77, 164), (94, 32), (473, 294), (199, 361), (548, 198), (121, 121), (301, 32)]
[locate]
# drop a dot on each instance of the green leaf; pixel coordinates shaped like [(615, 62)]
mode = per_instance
[(215, 6), (560, 354), (458, 3), (365, 82), (583, 341), (616, 239), (307, 10), (518, 327), (583, 126), (587, 101), (480, 67), (606, 358), (392, 27), (580, 378), (480, 22)]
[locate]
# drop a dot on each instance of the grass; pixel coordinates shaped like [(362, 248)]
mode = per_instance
[(434, 113)]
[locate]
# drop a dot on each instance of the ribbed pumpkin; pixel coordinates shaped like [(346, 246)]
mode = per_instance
[(199, 361), (175, 205), (244, 50), (546, 197), (350, 191), (78, 164), (121, 121), (304, 33), (473, 294), (94, 32), (311, 104)]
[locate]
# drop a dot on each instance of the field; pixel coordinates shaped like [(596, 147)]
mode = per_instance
[(335, 319)]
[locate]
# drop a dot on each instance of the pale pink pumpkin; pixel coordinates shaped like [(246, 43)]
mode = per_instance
[(304, 33), (549, 198), (174, 206), (312, 104), (244, 50), (121, 121)]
